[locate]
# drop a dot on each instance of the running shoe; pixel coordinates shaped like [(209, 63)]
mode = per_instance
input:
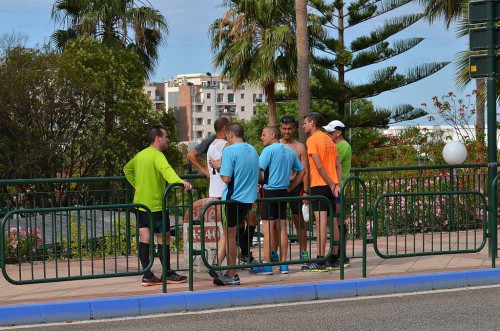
[(304, 255), (151, 281), (227, 280), (284, 269), (313, 267), (174, 278), (333, 266), (266, 270)]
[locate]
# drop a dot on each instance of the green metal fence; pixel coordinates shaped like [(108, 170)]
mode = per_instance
[(212, 217), (80, 228)]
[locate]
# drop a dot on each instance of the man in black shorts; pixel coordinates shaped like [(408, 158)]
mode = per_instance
[(276, 163), (240, 171), (287, 130), (147, 173)]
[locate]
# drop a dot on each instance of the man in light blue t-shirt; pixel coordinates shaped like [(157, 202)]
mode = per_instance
[(240, 171), (276, 163)]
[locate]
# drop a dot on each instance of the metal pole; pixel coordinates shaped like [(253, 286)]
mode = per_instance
[(492, 135)]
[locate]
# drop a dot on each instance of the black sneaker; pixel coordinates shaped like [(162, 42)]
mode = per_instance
[(333, 266), (347, 262), (153, 280), (174, 278), (215, 273), (227, 280), (247, 259), (313, 267)]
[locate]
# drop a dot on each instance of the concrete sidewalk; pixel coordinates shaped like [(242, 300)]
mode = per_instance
[(124, 296)]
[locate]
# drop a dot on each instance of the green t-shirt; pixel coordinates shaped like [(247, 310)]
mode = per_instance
[(345, 155), (148, 173)]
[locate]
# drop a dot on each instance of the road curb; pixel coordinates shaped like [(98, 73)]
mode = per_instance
[(238, 297)]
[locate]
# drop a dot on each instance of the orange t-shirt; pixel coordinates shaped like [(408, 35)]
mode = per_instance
[(322, 145)]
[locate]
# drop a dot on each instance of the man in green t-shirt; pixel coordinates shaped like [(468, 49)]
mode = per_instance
[(335, 130), (148, 173)]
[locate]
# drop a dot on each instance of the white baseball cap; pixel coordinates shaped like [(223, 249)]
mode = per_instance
[(334, 125)]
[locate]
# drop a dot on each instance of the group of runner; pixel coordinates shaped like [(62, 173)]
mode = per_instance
[(286, 168)]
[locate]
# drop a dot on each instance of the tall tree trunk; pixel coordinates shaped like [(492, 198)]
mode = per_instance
[(302, 63), (270, 90), (342, 95), (480, 110)]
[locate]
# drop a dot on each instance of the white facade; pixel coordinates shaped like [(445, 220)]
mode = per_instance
[(449, 132), (209, 97)]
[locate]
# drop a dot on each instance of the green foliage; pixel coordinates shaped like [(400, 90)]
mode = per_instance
[(120, 25), (117, 242), (337, 57), (79, 113)]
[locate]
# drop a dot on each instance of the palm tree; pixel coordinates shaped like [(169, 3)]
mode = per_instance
[(457, 10), (304, 100), (117, 23), (254, 43)]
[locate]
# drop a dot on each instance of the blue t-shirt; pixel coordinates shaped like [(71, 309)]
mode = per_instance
[(277, 161), (240, 161)]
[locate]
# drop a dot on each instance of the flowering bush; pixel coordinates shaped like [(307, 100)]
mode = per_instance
[(430, 210), (22, 245)]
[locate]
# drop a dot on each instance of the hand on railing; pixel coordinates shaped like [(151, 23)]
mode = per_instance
[(187, 186)]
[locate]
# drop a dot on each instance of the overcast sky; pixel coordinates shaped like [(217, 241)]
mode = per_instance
[(188, 46)]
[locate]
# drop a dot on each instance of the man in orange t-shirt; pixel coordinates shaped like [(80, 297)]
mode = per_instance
[(325, 172)]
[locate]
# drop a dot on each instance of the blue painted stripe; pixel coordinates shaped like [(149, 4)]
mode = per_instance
[(237, 297)]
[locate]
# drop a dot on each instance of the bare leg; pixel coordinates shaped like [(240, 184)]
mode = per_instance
[(284, 239), (231, 256), (300, 226), (268, 229)]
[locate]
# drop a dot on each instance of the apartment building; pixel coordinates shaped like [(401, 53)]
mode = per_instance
[(156, 92), (198, 99)]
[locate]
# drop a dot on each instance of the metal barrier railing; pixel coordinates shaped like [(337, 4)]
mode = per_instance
[(364, 200), (68, 243), (419, 224), (217, 216)]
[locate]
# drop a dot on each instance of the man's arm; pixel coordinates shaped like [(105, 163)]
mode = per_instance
[(129, 172), (338, 167), (199, 150), (296, 180), (304, 159), (226, 179), (192, 156)]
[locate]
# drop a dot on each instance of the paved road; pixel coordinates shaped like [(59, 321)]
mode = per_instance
[(464, 309)]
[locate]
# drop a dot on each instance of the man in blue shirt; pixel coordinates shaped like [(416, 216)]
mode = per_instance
[(276, 163), (240, 171)]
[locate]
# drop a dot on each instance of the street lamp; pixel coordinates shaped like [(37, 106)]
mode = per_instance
[(454, 152), (193, 91)]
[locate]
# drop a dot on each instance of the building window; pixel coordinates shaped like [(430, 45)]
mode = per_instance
[(254, 97), (209, 109), (242, 96), (209, 95), (209, 121), (230, 97), (255, 110), (220, 97), (199, 134), (199, 121), (242, 108)]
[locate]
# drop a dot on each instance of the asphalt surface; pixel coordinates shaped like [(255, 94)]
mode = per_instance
[(473, 308)]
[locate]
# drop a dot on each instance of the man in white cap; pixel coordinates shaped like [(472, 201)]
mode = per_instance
[(335, 130)]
